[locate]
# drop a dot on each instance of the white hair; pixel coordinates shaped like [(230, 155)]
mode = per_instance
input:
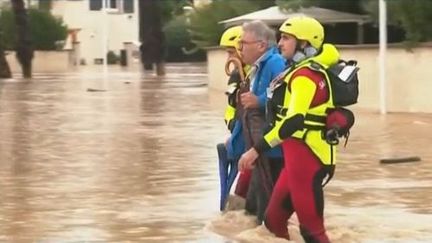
[(261, 31)]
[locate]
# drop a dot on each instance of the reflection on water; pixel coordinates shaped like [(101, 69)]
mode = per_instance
[(109, 166), (138, 163), (362, 180)]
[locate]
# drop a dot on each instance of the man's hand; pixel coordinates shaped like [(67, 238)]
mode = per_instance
[(249, 100), (227, 138), (247, 159)]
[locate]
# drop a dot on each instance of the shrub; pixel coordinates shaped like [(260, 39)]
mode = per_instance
[(178, 40), (112, 58), (46, 30)]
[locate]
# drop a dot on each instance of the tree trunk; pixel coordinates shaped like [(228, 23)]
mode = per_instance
[(4, 66), (24, 48), (151, 35), (5, 71), (160, 69)]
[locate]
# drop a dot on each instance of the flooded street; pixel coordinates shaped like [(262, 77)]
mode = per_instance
[(135, 161)]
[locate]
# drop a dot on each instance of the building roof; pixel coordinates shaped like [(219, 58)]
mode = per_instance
[(275, 16)]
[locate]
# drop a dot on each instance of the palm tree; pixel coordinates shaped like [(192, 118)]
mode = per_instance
[(24, 48)]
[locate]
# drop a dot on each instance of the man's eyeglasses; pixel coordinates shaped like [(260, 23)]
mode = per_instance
[(243, 42)]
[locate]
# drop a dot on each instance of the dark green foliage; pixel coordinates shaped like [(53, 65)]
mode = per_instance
[(413, 16), (112, 58), (178, 40), (45, 29), (351, 6), (204, 27)]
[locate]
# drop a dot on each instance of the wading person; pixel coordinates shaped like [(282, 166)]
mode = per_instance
[(234, 147), (258, 48), (300, 101)]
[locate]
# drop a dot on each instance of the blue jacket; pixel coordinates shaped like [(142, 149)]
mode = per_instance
[(269, 67)]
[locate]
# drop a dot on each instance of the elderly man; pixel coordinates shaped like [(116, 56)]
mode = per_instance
[(258, 49), (302, 99)]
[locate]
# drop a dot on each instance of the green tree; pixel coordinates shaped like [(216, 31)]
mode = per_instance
[(24, 47), (413, 16), (351, 6), (170, 9), (5, 71), (7, 25), (45, 29), (261, 4), (45, 5), (179, 45), (204, 24)]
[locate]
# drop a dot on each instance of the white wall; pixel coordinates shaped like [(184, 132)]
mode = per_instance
[(121, 27), (409, 76), (44, 61)]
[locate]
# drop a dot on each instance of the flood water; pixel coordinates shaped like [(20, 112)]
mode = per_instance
[(135, 161)]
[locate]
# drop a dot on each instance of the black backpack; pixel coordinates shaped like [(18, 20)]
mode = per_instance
[(345, 91), (344, 82)]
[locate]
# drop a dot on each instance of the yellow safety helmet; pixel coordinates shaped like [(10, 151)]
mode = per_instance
[(231, 37), (304, 28)]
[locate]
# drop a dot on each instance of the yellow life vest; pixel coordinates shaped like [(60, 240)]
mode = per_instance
[(230, 110), (313, 133)]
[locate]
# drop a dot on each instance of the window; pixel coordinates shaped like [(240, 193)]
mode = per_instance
[(128, 6), (123, 6), (95, 5), (113, 3)]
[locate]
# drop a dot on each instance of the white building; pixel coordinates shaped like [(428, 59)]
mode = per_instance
[(87, 17)]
